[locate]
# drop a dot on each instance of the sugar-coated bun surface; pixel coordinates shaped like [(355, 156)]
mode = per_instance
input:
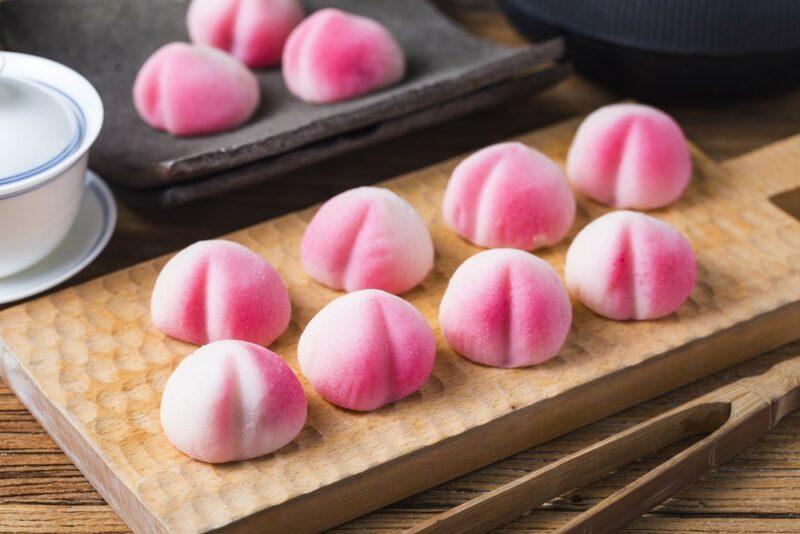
[(333, 55), (366, 349), (505, 308), (627, 265), (509, 195), (254, 31), (218, 289), (630, 156), (232, 400), (367, 238), (191, 90)]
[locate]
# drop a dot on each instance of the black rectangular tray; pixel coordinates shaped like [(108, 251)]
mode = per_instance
[(450, 73)]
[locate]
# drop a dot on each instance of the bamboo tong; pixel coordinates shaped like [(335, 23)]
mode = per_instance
[(733, 417)]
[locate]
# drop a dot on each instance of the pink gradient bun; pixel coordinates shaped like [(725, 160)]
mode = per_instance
[(232, 400), (367, 238), (333, 55), (505, 308), (627, 265), (630, 156), (191, 90), (254, 31), (366, 349), (215, 290), (509, 195)]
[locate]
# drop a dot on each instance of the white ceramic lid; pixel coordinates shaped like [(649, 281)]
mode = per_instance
[(40, 127), (62, 108)]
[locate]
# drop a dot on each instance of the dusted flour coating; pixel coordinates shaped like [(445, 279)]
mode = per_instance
[(627, 265), (214, 290), (366, 349), (254, 31), (333, 55), (505, 308), (509, 195), (193, 90), (367, 238), (232, 400), (630, 156)]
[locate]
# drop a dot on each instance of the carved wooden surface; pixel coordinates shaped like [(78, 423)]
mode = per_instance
[(88, 363)]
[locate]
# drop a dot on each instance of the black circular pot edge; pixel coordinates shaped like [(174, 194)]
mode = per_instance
[(651, 75)]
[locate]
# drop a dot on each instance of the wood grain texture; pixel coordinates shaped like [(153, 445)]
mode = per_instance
[(756, 491), (88, 363), (42, 491), (509, 501)]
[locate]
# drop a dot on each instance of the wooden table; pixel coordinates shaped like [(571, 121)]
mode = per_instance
[(759, 491)]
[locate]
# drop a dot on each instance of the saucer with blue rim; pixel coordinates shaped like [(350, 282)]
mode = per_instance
[(88, 236)]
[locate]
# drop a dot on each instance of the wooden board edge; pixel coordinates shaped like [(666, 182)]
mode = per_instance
[(77, 448), (525, 428)]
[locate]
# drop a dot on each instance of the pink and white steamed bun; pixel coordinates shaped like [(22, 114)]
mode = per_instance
[(254, 31), (366, 349), (630, 156), (192, 90), (509, 195), (627, 265), (214, 290), (505, 308), (367, 238), (333, 55), (232, 400)]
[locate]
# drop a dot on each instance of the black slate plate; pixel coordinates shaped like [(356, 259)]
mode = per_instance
[(450, 73)]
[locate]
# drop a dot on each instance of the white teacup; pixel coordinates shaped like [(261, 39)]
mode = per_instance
[(49, 117)]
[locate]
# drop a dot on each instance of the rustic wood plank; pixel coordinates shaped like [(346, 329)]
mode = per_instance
[(90, 366), (757, 491)]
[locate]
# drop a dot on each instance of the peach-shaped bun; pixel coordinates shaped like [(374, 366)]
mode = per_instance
[(191, 90), (627, 265), (630, 156), (367, 238), (232, 400), (509, 195), (254, 31), (366, 349), (333, 55), (505, 308), (217, 289)]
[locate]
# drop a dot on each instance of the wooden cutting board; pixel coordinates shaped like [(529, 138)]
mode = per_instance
[(89, 365)]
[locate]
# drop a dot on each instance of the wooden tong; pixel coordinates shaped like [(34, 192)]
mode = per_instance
[(733, 417)]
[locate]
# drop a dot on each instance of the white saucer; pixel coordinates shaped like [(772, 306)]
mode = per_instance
[(88, 236)]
